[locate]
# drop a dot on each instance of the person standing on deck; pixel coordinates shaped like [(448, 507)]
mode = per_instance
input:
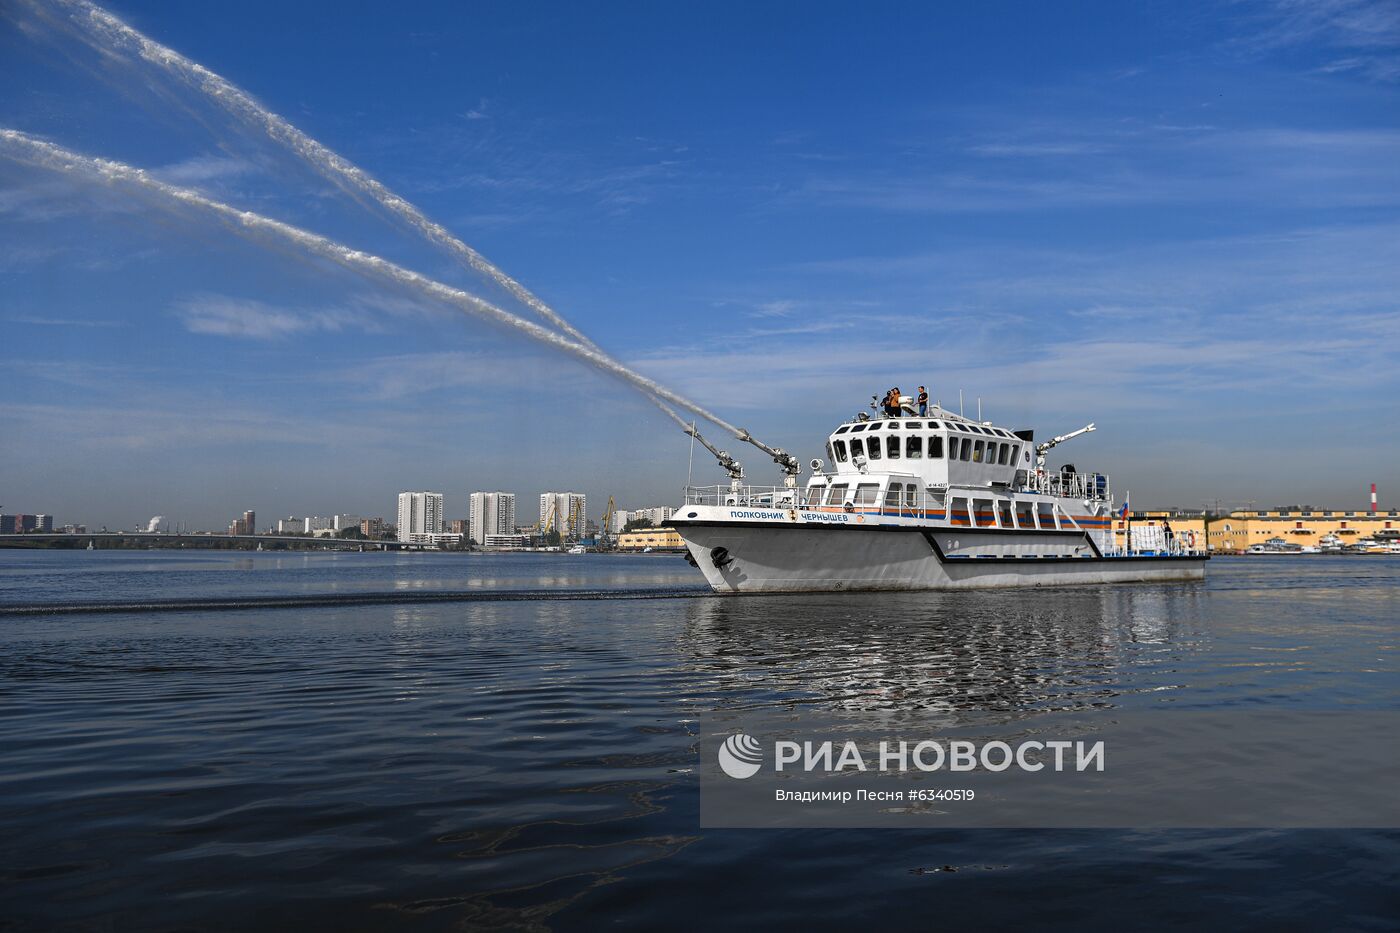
[(894, 402), (923, 402)]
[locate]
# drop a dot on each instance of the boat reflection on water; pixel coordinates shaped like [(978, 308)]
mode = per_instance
[(1006, 652)]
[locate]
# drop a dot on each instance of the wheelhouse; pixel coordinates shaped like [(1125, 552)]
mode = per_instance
[(939, 451)]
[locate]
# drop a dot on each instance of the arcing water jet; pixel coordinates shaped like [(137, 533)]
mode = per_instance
[(110, 30), (25, 148)]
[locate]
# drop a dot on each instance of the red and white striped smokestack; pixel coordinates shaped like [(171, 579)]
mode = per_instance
[(1373, 498)]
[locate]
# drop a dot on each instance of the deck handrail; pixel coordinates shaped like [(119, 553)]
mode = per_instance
[(961, 499)]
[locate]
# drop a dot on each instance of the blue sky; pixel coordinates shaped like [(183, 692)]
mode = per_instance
[(1181, 221)]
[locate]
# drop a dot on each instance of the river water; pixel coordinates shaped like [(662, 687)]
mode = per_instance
[(530, 764)]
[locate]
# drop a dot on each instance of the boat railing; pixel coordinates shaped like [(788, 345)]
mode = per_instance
[(905, 499), (908, 500), (1178, 546), (771, 497), (1070, 485), (962, 501)]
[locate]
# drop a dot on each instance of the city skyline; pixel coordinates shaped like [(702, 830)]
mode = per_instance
[(1178, 223), (498, 516)]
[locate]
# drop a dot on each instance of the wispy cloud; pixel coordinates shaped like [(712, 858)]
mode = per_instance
[(133, 427), (1037, 149), (1366, 31), (402, 376), (779, 308), (61, 322), (205, 168), (1134, 166), (221, 316)]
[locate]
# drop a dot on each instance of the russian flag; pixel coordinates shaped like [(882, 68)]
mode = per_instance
[(1123, 513)]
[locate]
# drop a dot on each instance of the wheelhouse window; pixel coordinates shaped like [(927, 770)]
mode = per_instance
[(857, 447), (892, 446), (966, 453), (914, 425), (872, 450), (858, 427), (1003, 454), (935, 447), (913, 447), (892, 495), (935, 425), (977, 452), (843, 429), (814, 496), (867, 493), (838, 494), (839, 447)]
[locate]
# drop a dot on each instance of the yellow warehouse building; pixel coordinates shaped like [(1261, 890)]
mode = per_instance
[(1239, 530), (643, 538)]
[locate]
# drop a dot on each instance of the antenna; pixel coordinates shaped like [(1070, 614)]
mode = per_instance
[(979, 409), (960, 407), (690, 468)]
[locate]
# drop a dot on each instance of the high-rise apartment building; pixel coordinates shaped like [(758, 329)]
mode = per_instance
[(564, 512), (420, 513), (18, 524), (659, 515), (492, 513), (247, 525)]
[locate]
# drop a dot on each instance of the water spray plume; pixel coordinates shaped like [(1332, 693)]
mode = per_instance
[(111, 31), (25, 148)]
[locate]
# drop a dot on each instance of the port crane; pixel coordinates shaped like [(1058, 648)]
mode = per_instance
[(605, 529), (549, 522)]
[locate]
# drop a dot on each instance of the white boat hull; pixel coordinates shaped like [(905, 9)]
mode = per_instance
[(775, 558)]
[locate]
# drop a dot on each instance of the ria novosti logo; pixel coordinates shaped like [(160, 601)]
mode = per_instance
[(740, 756)]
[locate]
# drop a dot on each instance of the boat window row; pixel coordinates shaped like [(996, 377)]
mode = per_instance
[(916, 447), (897, 495), (892, 424), (988, 512)]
